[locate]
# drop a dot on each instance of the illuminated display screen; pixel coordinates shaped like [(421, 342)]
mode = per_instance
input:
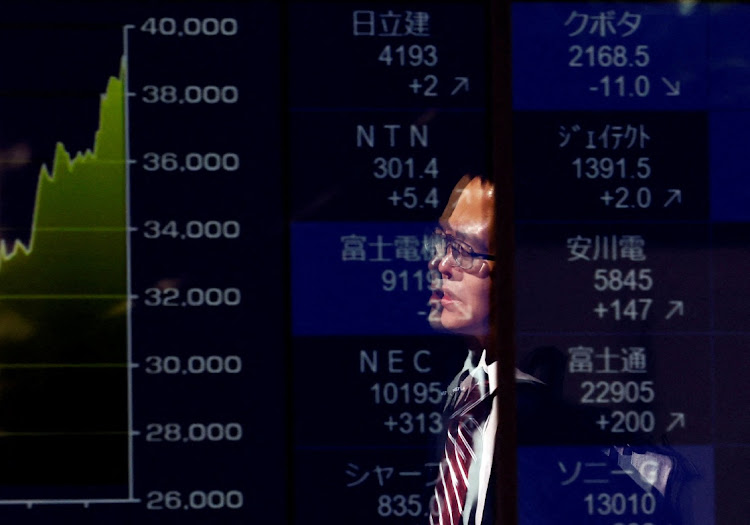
[(629, 232), (378, 263)]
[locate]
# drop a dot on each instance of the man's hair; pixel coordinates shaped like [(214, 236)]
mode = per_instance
[(485, 182)]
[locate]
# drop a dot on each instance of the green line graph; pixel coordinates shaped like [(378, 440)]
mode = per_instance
[(63, 318), (77, 243)]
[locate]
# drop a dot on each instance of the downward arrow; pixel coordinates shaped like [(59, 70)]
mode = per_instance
[(674, 89)]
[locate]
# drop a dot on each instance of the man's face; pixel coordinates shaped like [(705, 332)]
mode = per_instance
[(462, 297)]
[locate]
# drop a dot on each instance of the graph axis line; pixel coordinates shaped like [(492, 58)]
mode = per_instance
[(128, 255), (29, 503)]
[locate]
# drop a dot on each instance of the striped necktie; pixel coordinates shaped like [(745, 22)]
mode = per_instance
[(470, 411)]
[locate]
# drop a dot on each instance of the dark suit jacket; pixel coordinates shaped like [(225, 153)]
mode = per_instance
[(551, 433)]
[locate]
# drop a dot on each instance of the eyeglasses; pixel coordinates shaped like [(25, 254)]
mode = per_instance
[(463, 255)]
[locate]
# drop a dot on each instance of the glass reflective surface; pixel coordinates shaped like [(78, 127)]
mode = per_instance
[(223, 298)]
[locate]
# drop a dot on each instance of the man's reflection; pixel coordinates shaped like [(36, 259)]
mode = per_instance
[(463, 252), (461, 303)]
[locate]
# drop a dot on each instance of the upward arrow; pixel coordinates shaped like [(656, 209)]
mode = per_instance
[(463, 83), (674, 195), (678, 307), (678, 419)]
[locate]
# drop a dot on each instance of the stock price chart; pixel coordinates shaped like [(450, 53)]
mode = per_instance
[(216, 305)]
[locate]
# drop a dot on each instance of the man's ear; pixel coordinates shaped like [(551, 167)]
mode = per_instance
[(484, 270)]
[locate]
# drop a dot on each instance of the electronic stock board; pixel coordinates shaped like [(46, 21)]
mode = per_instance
[(214, 289)]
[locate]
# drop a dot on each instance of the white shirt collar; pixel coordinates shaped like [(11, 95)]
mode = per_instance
[(482, 370)]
